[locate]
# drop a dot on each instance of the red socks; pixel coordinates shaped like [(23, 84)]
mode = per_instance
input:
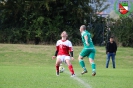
[(71, 69), (57, 68)]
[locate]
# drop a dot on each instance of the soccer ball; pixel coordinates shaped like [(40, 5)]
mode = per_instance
[(61, 69)]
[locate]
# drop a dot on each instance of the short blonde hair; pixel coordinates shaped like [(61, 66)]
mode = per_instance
[(84, 27)]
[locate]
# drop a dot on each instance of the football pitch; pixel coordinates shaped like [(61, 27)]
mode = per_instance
[(31, 66)]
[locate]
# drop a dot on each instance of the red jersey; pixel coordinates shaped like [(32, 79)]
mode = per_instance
[(64, 47)]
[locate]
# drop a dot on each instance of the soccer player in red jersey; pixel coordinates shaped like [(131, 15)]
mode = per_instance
[(63, 48)]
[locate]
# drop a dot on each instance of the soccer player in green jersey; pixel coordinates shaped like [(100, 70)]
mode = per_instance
[(88, 50)]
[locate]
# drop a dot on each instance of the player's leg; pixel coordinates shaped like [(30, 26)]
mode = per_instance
[(81, 61), (93, 66), (107, 60), (113, 60), (91, 60), (70, 66), (57, 65)]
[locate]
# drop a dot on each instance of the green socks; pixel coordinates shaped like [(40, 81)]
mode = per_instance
[(93, 66), (82, 64)]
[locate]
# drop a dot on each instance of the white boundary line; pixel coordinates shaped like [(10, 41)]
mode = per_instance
[(86, 85)]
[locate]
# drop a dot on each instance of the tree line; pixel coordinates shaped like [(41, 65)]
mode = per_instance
[(122, 29), (25, 21), (42, 21)]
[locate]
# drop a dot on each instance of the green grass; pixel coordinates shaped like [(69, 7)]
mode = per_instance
[(31, 66)]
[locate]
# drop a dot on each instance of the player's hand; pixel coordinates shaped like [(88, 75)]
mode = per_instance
[(53, 57), (72, 58)]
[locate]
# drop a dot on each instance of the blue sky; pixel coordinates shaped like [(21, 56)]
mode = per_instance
[(111, 7)]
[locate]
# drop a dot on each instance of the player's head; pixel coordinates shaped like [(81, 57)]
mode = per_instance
[(82, 28), (111, 39), (64, 34)]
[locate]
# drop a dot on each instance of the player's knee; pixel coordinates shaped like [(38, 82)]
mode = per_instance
[(57, 64), (91, 60), (80, 57)]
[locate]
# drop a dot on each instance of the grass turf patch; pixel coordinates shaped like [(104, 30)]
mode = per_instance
[(31, 66)]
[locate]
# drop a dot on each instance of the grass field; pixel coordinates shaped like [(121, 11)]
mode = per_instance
[(31, 66)]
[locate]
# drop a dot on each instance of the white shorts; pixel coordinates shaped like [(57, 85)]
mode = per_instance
[(63, 58)]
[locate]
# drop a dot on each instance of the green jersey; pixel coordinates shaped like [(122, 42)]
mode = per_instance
[(86, 33)]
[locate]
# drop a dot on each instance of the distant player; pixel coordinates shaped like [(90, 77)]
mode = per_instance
[(63, 48), (88, 50)]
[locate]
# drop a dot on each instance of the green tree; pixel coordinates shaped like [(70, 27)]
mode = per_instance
[(23, 21), (123, 31)]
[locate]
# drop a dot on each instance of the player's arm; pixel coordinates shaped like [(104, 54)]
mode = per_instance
[(86, 40), (56, 52), (71, 50), (71, 53)]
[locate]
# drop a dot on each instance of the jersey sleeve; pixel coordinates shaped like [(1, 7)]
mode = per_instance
[(85, 34), (70, 46)]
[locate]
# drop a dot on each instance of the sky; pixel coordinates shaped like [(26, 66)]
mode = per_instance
[(111, 7)]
